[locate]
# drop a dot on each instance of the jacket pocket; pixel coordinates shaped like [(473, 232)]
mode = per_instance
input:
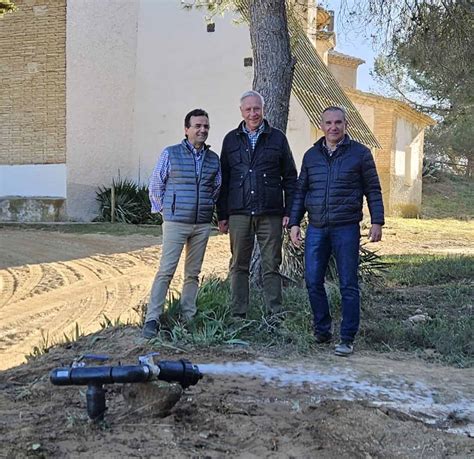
[(234, 157), (272, 192), (235, 200), (271, 157)]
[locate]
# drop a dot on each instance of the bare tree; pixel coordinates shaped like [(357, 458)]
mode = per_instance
[(273, 62)]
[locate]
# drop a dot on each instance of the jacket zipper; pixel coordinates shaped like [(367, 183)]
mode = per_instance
[(328, 180), (198, 181)]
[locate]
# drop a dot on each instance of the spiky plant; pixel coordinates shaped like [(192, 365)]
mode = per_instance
[(132, 204), (371, 266)]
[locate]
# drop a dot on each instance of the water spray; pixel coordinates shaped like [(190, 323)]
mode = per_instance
[(78, 374)]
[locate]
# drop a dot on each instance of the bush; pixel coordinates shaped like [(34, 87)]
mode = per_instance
[(132, 204)]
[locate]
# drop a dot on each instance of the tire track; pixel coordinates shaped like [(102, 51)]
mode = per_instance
[(102, 289), (23, 280), (48, 299)]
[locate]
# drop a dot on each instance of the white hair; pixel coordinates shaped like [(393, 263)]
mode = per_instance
[(251, 94)]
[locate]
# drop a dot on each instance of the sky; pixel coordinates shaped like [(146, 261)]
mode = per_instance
[(355, 44)]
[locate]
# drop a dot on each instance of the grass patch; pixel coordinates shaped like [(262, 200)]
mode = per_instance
[(214, 324), (113, 229), (413, 270), (440, 339), (450, 196), (425, 306)]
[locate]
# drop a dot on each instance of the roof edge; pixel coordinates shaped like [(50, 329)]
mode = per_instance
[(400, 106)]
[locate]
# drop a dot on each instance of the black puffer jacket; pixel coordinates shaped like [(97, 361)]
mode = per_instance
[(261, 182), (331, 190)]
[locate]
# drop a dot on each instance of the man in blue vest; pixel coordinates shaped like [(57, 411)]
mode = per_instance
[(337, 172), (184, 188), (258, 180)]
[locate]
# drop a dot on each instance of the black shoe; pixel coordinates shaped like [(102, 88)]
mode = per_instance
[(150, 329), (322, 338)]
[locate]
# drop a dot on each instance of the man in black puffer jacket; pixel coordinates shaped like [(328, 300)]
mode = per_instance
[(337, 172), (258, 180)]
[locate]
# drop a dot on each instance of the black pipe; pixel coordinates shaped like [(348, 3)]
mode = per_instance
[(80, 376), (181, 371), (95, 396)]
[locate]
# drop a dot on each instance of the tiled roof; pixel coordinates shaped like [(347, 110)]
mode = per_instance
[(346, 57), (314, 85), (402, 107)]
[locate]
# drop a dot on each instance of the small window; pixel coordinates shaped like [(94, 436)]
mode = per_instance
[(211, 27), (248, 62)]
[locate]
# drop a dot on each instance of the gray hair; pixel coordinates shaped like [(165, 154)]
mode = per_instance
[(334, 108), (251, 94)]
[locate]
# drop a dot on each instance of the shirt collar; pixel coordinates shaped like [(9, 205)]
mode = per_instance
[(192, 149), (343, 140), (259, 130)]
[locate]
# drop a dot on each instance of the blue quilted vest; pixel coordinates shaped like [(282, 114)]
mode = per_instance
[(189, 197)]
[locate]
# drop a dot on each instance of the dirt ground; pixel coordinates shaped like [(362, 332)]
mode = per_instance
[(258, 404)]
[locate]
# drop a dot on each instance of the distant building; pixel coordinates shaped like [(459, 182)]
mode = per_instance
[(92, 90)]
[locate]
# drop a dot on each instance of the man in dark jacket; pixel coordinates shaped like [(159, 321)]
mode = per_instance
[(184, 187), (258, 180), (336, 174)]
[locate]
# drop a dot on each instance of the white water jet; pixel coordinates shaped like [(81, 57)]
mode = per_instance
[(416, 399)]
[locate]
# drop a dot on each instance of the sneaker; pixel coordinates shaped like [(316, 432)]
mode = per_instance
[(344, 349), (150, 329), (322, 338)]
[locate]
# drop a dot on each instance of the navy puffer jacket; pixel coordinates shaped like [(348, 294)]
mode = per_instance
[(331, 189)]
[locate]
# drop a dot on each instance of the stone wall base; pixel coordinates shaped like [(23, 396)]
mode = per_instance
[(32, 209)]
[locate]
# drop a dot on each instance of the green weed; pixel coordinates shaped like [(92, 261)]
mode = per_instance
[(413, 270)]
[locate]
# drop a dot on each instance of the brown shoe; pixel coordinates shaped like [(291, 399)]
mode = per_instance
[(323, 338)]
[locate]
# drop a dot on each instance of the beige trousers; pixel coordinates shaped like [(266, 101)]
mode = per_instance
[(176, 236)]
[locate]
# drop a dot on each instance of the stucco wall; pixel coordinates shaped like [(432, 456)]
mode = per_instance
[(181, 66), (300, 132), (30, 180), (407, 168), (32, 94), (147, 67), (101, 78), (346, 76)]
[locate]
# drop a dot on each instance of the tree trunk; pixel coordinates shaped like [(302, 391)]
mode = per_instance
[(273, 76), (273, 63)]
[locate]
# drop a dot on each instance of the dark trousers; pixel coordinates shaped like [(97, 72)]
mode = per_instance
[(343, 242), (268, 230)]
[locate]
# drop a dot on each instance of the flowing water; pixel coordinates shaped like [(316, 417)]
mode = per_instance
[(415, 398)]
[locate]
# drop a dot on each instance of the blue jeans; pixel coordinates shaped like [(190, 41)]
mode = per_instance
[(343, 242)]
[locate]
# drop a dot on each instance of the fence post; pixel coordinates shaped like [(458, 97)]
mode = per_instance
[(112, 203)]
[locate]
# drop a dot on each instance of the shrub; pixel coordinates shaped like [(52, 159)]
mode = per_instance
[(371, 265), (132, 204)]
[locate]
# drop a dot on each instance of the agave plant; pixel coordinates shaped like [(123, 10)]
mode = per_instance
[(132, 204)]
